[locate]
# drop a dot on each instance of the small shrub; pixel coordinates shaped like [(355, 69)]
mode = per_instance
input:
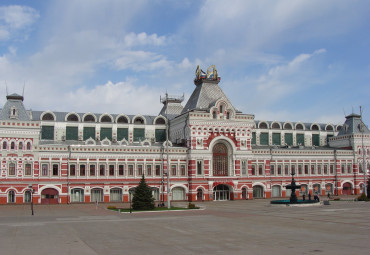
[(363, 197), (112, 207), (337, 198), (191, 206)]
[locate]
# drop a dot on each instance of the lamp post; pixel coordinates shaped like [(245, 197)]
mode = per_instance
[(362, 129), (129, 198), (31, 191), (168, 163), (69, 157)]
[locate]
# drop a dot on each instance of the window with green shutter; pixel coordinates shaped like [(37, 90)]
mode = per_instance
[(89, 132), (253, 137), (122, 133), (316, 139), (72, 133), (160, 135), (106, 133), (264, 139), (47, 132), (288, 138), (139, 134), (300, 139), (276, 138)]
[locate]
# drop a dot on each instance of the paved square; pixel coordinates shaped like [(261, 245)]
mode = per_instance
[(233, 227)]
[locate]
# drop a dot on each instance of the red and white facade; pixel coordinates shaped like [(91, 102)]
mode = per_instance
[(214, 152)]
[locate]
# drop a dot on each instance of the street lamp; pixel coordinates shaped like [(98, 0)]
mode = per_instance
[(31, 191), (129, 197)]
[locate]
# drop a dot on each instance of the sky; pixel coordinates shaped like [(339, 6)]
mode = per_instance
[(279, 60)]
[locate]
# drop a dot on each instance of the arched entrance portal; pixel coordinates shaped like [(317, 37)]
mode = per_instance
[(49, 196), (257, 191), (220, 160), (244, 193), (221, 192), (199, 195), (347, 189)]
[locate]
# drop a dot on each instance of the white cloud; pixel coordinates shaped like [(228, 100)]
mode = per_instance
[(133, 39), (15, 18)]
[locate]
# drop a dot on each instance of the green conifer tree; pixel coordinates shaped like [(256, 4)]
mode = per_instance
[(143, 198)]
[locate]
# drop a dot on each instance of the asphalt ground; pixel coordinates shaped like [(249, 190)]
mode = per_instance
[(230, 227)]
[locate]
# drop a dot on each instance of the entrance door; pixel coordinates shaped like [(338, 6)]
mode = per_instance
[(257, 191), (221, 192), (244, 193), (347, 189), (199, 195), (49, 196), (276, 191), (96, 195)]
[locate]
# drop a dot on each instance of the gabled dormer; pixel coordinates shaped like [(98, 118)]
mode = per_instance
[(14, 109)]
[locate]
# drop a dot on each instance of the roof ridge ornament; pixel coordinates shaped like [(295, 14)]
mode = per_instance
[(211, 74)]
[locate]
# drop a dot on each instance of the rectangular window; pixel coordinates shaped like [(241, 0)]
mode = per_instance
[(158, 170), (254, 138), (47, 132), (325, 169), (288, 139), (82, 170), (313, 170), (272, 170), (360, 169), (276, 139), (244, 167), (121, 170), (55, 170), (111, 170), (183, 170), (319, 169), (253, 170), (286, 170), (264, 139), (300, 170), (293, 169), (89, 132), (199, 167), (140, 170), (28, 169), (260, 170), (300, 139), (149, 170), (11, 170), (72, 133), (343, 169), (306, 169), (44, 169), (316, 140), (106, 133), (139, 134), (122, 133), (173, 170), (279, 170), (72, 170), (92, 170), (331, 169), (349, 169), (160, 135), (131, 170), (102, 170)]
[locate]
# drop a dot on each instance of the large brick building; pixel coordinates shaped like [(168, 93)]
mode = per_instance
[(215, 152)]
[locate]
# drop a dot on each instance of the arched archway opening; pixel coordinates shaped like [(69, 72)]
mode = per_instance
[(220, 160), (244, 193), (178, 193), (258, 191), (199, 195), (347, 189), (221, 192), (77, 195), (97, 195), (276, 191), (49, 196)]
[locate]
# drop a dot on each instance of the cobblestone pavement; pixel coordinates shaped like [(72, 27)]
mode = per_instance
[(230, 227)]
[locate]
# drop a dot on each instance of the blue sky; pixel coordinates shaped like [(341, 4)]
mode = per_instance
[(280, 60)]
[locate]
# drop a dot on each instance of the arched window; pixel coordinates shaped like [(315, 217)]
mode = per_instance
[(20, 146), (160, 121), (48, 117), (89, 118), (288, 126), (28, 146), (228, 115), (5, 145), (263, 125), (339, 128), (106, 118), (139, 121), (27, 196), (72, 117), (122, 120), (315, 127), (220, 160), (11, 196), (214, 114), (12, 145), (221, 109), (329, 128), (275, 126), (299, 127)]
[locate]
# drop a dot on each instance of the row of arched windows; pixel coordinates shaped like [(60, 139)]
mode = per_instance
[(297, 126), (13, 146), (105, 118)]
